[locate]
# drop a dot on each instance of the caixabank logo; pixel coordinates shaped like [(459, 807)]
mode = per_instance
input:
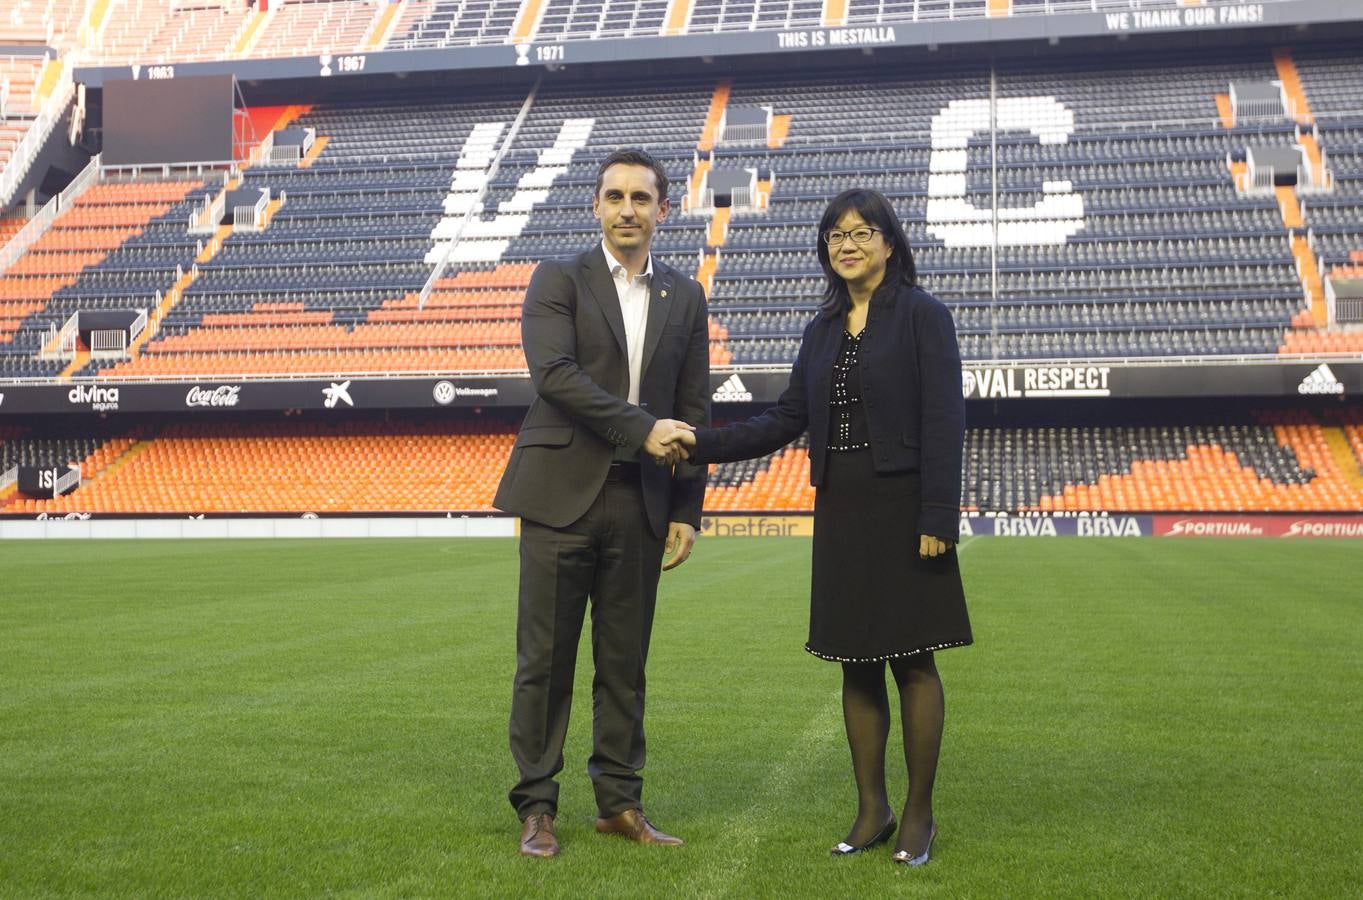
[(337, 394)]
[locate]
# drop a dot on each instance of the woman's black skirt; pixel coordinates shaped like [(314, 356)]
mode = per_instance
[(872, 596)]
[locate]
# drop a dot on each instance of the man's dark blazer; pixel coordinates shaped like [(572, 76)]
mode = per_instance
[(574, 338), (911, 390)]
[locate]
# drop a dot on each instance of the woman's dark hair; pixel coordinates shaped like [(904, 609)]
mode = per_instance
[(876, 210), (634, 157)]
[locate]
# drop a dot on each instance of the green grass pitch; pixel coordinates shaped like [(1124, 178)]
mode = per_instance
[(1138, 717)]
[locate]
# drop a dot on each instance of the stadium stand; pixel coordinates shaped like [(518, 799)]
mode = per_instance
[(10, 226), (152, 32), (313, 28), (50, 451), (444, 23), (395, 182), (1130, 225), (1167, 260), (1286, 462), (1204, 468), (233, 29), (43, 40), (1146, 248), (752, 15), (18, 83), (116, 247), (285, 467), (593, 19), (41, 23), (301, 297)]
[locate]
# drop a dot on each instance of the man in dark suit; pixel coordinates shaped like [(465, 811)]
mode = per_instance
[(618, 345)]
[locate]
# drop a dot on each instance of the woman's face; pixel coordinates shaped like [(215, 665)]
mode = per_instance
[(862, 266)]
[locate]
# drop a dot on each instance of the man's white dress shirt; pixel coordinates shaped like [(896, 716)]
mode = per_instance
[(633, 294)]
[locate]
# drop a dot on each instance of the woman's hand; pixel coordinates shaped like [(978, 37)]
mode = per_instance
[(929, 546), (682, 438), (662, 444)]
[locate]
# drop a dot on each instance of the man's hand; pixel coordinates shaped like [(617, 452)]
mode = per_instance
[(685, 437), (929, 546), (680, 539), (661, 443)]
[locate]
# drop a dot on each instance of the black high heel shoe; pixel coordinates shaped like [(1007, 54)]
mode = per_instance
[(903, 858), (845, 849)]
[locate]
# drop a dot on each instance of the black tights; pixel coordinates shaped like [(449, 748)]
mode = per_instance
[(866, 713)]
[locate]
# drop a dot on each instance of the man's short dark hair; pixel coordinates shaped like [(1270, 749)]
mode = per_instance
[(633, 157)]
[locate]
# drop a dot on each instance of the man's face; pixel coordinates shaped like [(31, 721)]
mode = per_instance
[(629, 209)]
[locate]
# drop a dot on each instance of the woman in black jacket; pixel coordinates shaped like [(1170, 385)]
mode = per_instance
[(877, 385)]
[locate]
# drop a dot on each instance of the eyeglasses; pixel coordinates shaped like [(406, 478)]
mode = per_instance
[(858, 235)]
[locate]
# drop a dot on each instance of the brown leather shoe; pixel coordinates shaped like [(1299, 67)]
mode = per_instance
[(537, 836), (633, 824)]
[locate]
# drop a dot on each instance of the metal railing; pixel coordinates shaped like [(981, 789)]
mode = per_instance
[(69, 337), (923, 11), (38, 225), (1148, 362), (138, 326), (288, 155), (61, 343), (49, 342), (1257, 109), (109, 343), (1256, 181), (245, 218), (206, 220), (89, 37), (67, 482), (201, 169), (263, 152), (1342, 310), (746, 198), (25, 237), (704, 202), (31, 144), (251, 218), (745, 134), (235, 37), (1309, 182)]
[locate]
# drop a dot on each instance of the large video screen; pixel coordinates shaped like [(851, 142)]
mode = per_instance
[(172, 120)]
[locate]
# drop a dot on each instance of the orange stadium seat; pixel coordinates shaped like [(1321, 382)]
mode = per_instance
[(9, 227), (1211, 479), (1323, 342), (454, 463), (195, 468)]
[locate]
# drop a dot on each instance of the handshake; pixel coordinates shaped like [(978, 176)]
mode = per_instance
[(670, 441)]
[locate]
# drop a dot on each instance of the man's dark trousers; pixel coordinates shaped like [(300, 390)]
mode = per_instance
[(611, 558)]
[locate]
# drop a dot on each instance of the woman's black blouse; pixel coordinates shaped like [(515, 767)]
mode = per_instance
[(847, 429)]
